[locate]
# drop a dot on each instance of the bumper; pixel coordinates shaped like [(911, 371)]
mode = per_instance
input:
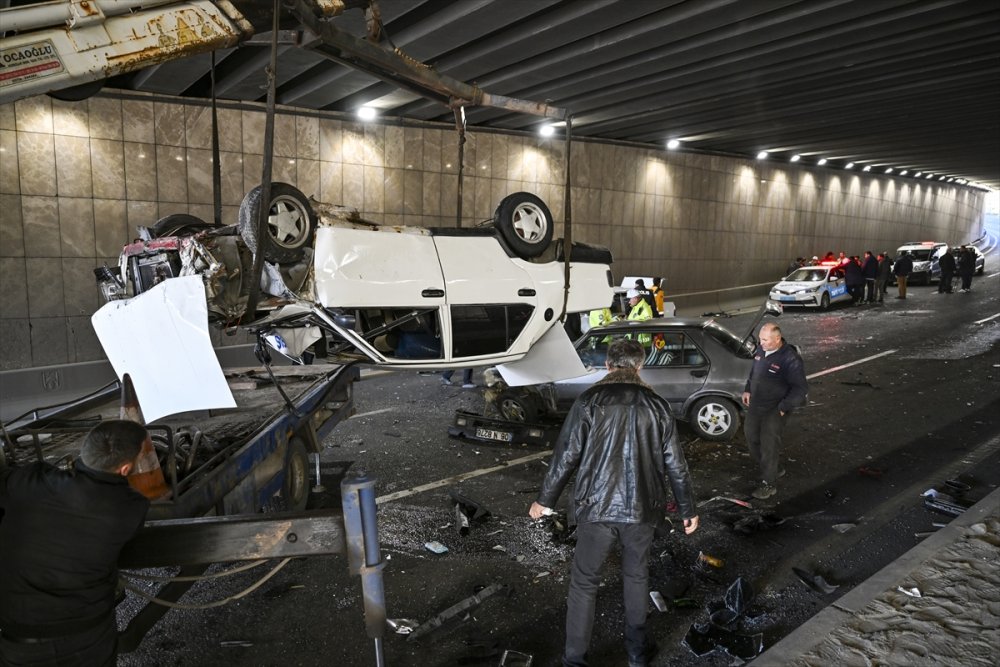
[(472, 426), (796, 299)]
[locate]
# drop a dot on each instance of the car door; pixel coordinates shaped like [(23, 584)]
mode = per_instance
[(836, 285), (490, 301)]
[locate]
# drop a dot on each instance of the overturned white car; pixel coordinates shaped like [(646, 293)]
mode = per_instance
[(422, 298)]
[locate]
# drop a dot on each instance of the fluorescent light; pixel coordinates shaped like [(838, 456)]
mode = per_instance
[(868, 167), (849, 165), (904, 172), (546, 130), (367, 113), (942, 178), (918, 174), (930, 175), (951, 180), (762, 155), (673, 143), (889, 170), (822, 161), (796, 158)]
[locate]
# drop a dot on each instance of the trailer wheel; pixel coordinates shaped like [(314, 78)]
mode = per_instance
[(295, 489)]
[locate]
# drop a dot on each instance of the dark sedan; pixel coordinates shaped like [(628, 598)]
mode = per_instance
[(698, 365)]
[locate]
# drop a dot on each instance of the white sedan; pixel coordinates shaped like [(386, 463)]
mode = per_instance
[(812, 286), (412, 297)]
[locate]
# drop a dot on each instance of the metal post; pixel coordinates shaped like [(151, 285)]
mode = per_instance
[(363, 555), (460, 126)]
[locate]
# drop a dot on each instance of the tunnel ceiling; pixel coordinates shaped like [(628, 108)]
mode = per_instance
[(911, 84)]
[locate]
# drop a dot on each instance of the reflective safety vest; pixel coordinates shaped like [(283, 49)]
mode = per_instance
[(642, 311), (600, 316)]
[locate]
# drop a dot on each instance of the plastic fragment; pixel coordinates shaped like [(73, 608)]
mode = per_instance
[(436, 547), (815, 581), (658, 601), (843, 527), (913, 591), (401, 626)]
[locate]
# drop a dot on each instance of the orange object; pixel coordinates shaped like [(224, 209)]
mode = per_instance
[(710, 560), (147, 476)]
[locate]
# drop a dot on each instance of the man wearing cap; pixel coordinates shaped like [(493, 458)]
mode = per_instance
[(647, 296), (639, 307), (60, 538)]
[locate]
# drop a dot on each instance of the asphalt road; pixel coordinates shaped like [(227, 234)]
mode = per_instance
[(916, 403)]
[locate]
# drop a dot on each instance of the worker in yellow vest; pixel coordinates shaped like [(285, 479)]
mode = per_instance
[(640, 310), (600, 316)]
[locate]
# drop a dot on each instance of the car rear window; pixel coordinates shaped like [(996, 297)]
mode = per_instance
[(730, 341)]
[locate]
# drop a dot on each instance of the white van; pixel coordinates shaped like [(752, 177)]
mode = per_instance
[(925, 256)]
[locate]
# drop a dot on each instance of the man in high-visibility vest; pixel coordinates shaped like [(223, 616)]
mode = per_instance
[(600, 316), (640, 310)]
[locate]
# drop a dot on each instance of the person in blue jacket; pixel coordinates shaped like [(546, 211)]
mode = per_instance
[(776, 386)]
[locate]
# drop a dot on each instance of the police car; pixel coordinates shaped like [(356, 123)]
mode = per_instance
[(812, 286)]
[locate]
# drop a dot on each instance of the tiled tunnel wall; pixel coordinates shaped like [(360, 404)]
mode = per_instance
[(77, 178)]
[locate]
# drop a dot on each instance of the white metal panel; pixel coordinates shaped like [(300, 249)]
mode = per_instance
[(361, 268), (477, 270)]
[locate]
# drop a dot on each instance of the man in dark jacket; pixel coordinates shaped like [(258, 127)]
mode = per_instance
[(902, 270), (621, 441), (854, 279), (966, 267), (776, 386), (60, 538), (947, 264), (882, 278), (869, 269)]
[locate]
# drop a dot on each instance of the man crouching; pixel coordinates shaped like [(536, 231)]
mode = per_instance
[(621, 441)]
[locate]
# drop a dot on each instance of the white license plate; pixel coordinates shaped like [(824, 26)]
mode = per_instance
[(489, 434), (786, 298)]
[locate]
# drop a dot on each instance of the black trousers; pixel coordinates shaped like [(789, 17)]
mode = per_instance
[(966, 280), (870, 290), (944, 282), (763, 434), (97, 647), (593, 543)]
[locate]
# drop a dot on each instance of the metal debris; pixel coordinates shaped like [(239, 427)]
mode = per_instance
[(454, 610), (843, 527), (436, 547), (913, 591), (401, 626), (815, 581)]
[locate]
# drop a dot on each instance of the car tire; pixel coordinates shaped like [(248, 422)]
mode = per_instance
[(824, 302), (179, 224), (291, 223), (295, 488), (518, 406), (525, 223), (714, 418)]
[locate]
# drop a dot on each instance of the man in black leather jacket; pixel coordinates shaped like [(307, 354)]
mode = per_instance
[(60, 538), (620, 440)]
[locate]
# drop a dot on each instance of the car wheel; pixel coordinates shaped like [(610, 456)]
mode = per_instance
[(714, 418), (295, 489), (824, 302), (517, 406), (291, 223), (525, 223), (179, 224)]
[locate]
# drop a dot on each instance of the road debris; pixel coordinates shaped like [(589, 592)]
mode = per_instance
[(735, 501), (913, 591), (843, 527), (722, 630), (513, 658), (436, 547), (658, 601), (401, 626), (455, 610), (709, 559), (815, 582)]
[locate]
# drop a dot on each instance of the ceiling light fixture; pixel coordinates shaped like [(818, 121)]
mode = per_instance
[(822, 161), (673, 143), (918, 174), (546, 130), (930, 176), (942, 178), (762, 155), (889, 170), (868, 167), (367, 113), (904, 172), (849, 165), (796, 158)]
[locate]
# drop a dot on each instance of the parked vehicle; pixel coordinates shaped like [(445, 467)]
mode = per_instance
[(696, 364), (926, 256), (812, 286), (980, 261), (428, 298)]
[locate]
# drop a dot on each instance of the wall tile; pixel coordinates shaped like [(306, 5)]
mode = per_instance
[(171, 174), (8, 119), (283, 170), (139, 213), (374, 189), (353, 144), (81, 340), (199, 176), (11, 227), (413, 147), (307, 137), (76, 227), (15, 344), (284, 135), (413, 192), (73, 177), (252, 165), (10, 176), (107, 161), (432, 150), (169, 123), (354, 186), (34, 114), (138, 121), (230, 130), (198, 127), (431, 203), (307, 177), (40, 220), (395, 148), (110, 227), (105, 118), (45, 287), (48, 341), (331, 140), (374, 145), (253, 131), (70, 118), (140, 171), (36, 163), (394, 190), (331, 182), (13, 288), (499, 156), (80, 295), (232, 178)]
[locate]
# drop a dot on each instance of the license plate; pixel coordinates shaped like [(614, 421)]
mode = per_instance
[(786, 298), (489, 434)]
